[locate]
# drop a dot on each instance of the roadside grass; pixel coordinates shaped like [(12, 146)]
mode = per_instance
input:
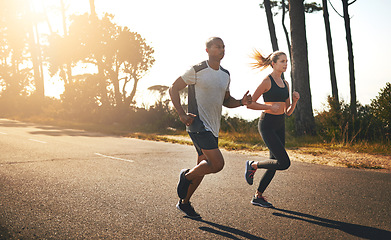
[(312, 145)]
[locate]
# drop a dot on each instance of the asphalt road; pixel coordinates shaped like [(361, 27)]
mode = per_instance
[(69, 184)]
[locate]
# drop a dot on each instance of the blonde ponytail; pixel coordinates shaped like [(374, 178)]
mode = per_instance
[(264, 62)]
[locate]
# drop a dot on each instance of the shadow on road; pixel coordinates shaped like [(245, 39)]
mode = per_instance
[(225, 231), (66, 132), (11, 123), (49, 130), (353, 229)]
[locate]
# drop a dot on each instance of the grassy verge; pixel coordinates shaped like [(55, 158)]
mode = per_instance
[(251, 142)]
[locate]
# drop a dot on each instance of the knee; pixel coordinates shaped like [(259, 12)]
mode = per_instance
[(217, 167), (201, 158), (285, 165)]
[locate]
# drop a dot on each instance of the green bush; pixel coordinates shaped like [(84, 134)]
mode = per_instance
[(337, 124), (381, 109), (239, 125)]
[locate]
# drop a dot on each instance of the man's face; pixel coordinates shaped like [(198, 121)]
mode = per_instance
[(217, 50)]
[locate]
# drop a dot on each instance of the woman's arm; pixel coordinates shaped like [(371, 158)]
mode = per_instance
[(261, 89), (289, 108)]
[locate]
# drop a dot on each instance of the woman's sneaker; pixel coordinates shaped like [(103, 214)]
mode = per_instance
[(187, 209), (249, 174), (261, 201)]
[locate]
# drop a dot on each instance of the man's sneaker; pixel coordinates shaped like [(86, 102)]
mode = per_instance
[(261, 201), (249, 174), (187, 209), (183, 184)]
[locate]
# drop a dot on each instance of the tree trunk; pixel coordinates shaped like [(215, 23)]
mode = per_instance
[(285, 30), (114, 79), (92, 8), (333, 78), (33, 39), (270, 23), (64, 25), (352, 79), (287, 40), (129, 100), (304, 118)]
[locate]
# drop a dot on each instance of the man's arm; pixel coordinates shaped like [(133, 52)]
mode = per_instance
[(178, 85), (231, 102)]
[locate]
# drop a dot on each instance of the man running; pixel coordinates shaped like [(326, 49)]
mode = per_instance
[(208, 90)]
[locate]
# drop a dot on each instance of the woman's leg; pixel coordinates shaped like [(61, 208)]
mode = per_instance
[(274, 138), (265, 181)]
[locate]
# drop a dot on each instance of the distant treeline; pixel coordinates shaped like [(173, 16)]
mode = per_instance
[(334, 124)]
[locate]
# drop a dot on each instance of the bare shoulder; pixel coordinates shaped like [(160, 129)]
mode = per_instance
[(263, 87), (286, 82), (266, 84)]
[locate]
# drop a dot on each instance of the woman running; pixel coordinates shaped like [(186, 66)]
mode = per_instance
[(275, 91)]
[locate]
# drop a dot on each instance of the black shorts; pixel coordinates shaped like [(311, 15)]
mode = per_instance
[(204, 140)]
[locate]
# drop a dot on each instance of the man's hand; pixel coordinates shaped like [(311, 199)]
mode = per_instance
[(247, 99), (188, 118)]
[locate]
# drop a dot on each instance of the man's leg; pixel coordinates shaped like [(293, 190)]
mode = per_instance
[(213, 163), (195, 182)]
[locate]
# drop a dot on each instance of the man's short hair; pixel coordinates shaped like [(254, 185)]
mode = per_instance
[(210, 41)]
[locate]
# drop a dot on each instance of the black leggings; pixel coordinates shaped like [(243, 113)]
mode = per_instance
[(272, 129)]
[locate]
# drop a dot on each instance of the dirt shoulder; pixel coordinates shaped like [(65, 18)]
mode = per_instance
[(320, 156), (339, 158)]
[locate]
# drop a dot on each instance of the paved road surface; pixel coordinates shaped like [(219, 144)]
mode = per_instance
[(69, 184)]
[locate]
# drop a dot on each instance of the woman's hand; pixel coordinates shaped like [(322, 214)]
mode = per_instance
[(295, 96), (275, 108)]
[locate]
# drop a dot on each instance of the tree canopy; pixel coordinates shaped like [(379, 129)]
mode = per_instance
[(115, 54)]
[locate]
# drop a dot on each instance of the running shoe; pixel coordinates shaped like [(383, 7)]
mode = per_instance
[(187, 209), (249, 174), (261, 201), (183, 184)]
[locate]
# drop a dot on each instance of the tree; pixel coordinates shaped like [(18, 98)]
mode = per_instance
[(162, 90), (92, 8), (352, 79), (382, 110), (333, 78), (270, 23), (68, 64), (35, 50), (269, 5), (117, 55), (309, 8), (15, 75), (304, 118), (283, 6)]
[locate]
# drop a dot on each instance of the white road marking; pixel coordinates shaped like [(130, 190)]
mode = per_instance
[(115, 158), (35, 140)]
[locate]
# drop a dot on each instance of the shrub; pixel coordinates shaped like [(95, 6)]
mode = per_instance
[(381, 109), (373, 122)]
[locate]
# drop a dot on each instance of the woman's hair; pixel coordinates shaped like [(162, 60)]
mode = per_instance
[(263, 62)]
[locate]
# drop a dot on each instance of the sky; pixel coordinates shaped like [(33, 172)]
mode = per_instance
[(178, 29)]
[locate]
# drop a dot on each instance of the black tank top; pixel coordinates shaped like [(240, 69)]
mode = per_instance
[(275, 93)]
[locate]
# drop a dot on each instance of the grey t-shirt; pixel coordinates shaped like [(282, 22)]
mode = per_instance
[(207, 88)]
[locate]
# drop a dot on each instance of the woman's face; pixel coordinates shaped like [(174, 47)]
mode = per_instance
[(281, 64)]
